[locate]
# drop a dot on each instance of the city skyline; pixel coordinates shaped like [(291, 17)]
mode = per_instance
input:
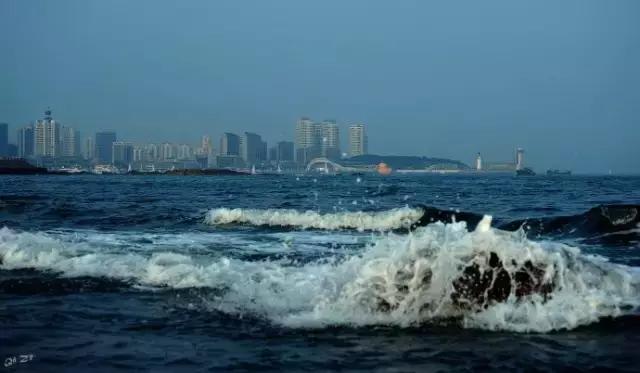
[(325, 134), (48, 141), (419, 74)]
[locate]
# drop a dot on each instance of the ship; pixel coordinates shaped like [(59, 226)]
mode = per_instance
[(555, 172), (525, 172), (19, 166)]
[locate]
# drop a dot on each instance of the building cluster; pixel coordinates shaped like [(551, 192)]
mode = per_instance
[(322, 139), (51, 144)]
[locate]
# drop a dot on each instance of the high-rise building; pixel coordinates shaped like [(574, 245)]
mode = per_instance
[(273, 154), (12, 150), (252, 148), (122, 153), (25, 142), (308, 140), (104, 146), (47, 137), (168, 151), (229, 144), (284, 151), (185, 152), (330, 139), (358, 141), (479, 162), (206, 147), (4, 140), (70, 142), (89, 148)]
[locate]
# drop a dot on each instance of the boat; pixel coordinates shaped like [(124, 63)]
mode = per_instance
[(555, 172), (525, 172), (104, 169)]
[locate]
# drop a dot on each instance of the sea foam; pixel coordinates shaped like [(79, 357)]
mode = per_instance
[(396, 218), (413, 274)]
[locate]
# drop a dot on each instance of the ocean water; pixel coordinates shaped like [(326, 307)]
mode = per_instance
[(170, 273)]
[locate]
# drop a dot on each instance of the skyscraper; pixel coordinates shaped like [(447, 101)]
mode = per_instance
[(104, 146), (4, 140), (284, 151), (229, 144), (251, 148), (122, 153), (25, 142), (308, 140), (358, 142), (47, 137), (206, 147), (70, 142), (330, 139), (89, 148)]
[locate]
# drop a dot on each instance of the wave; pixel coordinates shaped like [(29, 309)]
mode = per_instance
[(362, 221), (605, 223), (610, 223), (440, 273)]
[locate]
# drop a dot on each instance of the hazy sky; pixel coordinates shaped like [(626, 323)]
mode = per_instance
[(447, 78)]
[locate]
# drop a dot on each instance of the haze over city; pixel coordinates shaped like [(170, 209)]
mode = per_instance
[(441, 80)]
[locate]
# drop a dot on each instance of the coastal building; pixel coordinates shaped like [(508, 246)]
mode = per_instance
[(252, 148), (229, 144), (168, 151), (122, 153), (89, 151), (4, 140), (479, 162), (308, 140), (284, 151), (47, 137), (25, 142), (70, 142), (330, 140), (12, 150), (206, 147), (229, 161), (358, 141), (185, 152), (104, 146)]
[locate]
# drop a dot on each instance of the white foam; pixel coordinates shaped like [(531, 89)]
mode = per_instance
[(412, 273), (361, 221)]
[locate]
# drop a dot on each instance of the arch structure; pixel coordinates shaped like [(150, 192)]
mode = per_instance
[(329, 166)]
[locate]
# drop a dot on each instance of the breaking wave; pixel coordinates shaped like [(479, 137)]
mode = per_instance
[(441, 273), (362, 221)]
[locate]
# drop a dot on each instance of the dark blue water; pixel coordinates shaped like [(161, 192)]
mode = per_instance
[(160, 273)]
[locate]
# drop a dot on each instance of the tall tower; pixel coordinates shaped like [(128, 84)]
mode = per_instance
[(104, 146), (519, 159), (308, 140), (47, 138), (25, 141), (479, 162), (358, 141)]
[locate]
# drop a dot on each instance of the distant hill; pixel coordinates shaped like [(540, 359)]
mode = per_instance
[(404, 162)]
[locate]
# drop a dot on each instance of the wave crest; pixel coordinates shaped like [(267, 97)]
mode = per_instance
[(362, 221), (402, 280)]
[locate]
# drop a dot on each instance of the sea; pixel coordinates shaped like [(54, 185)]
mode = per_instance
[(128, 273)]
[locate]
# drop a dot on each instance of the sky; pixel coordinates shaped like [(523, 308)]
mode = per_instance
[(444, 79)]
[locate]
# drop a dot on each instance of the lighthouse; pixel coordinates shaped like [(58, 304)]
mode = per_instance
[(479, 162)]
